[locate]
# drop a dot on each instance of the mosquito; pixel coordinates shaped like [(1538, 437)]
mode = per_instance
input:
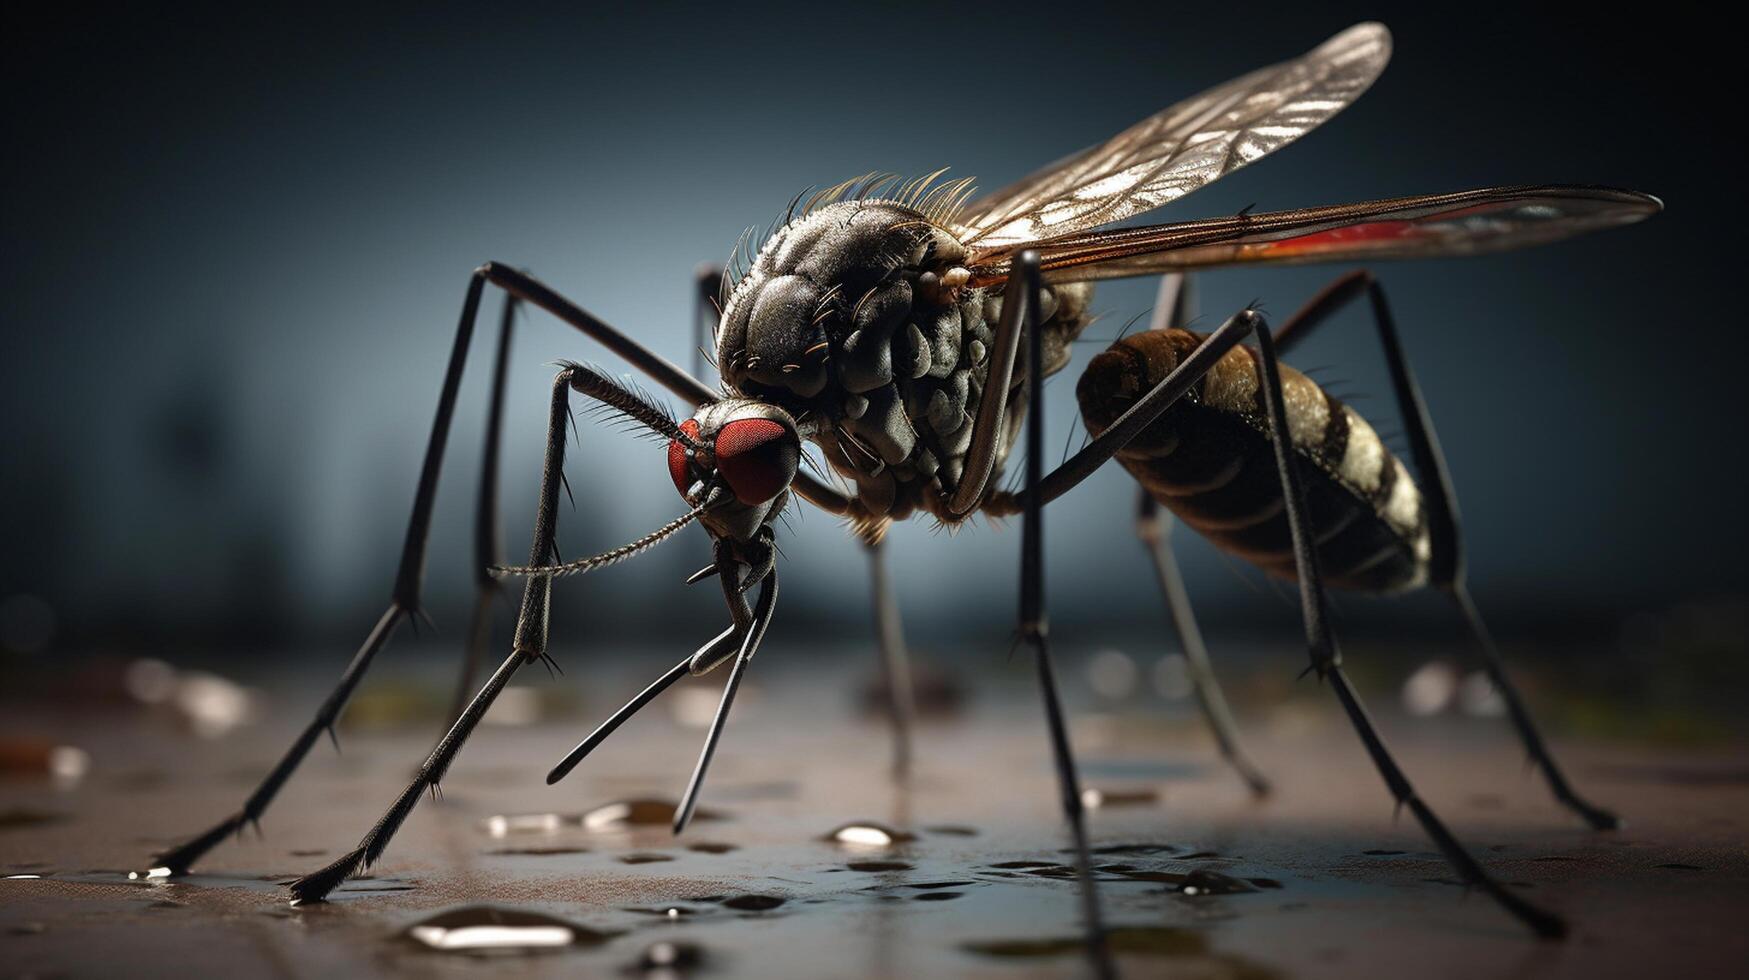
[(904, 329)]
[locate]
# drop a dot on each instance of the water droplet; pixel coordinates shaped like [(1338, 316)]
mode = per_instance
[(639, 813), (1430, 689), (869, 834), (1112, 674), (523, 823), (68, 765), (22, 877), (1095, 799), (486, 929), (664, 911), (710, 847), (213, 705)]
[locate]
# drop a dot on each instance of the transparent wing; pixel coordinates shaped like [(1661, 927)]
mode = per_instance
[(1426, 226), (1179, 149)]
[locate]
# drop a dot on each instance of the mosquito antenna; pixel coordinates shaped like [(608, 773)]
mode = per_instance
[(606, 558), (761, 619)]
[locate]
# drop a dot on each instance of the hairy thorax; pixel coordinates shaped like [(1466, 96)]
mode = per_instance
[(855, 318)]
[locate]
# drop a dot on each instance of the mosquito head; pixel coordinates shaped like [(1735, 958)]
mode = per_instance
[(739, 456)]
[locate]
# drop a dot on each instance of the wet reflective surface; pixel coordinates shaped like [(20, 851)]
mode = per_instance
[(486, 930), (966, 872), (868, 833)]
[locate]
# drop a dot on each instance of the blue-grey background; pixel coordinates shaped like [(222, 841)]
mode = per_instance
[(235, 245)]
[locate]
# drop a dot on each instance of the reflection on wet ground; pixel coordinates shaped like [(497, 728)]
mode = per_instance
[(869, 834), (965, 872), (489, 930)]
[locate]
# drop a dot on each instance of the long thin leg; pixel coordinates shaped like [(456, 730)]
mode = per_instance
[(895, 659), (1448, 568), (487, 545), (619, 718), (530, 645), (1152, 527), (755, 632), (734, 640), (404, 604), (1023, 291), (1324, 654), (1175, 306), (1327, 661), (1596, 816), (992, 407)]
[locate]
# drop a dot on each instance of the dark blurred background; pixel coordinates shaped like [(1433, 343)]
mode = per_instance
[(236, 244)]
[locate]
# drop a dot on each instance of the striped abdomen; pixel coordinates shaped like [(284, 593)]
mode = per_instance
[(1209, 460)]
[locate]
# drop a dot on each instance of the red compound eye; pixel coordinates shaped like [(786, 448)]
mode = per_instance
[(758, 457), (677, 468)]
